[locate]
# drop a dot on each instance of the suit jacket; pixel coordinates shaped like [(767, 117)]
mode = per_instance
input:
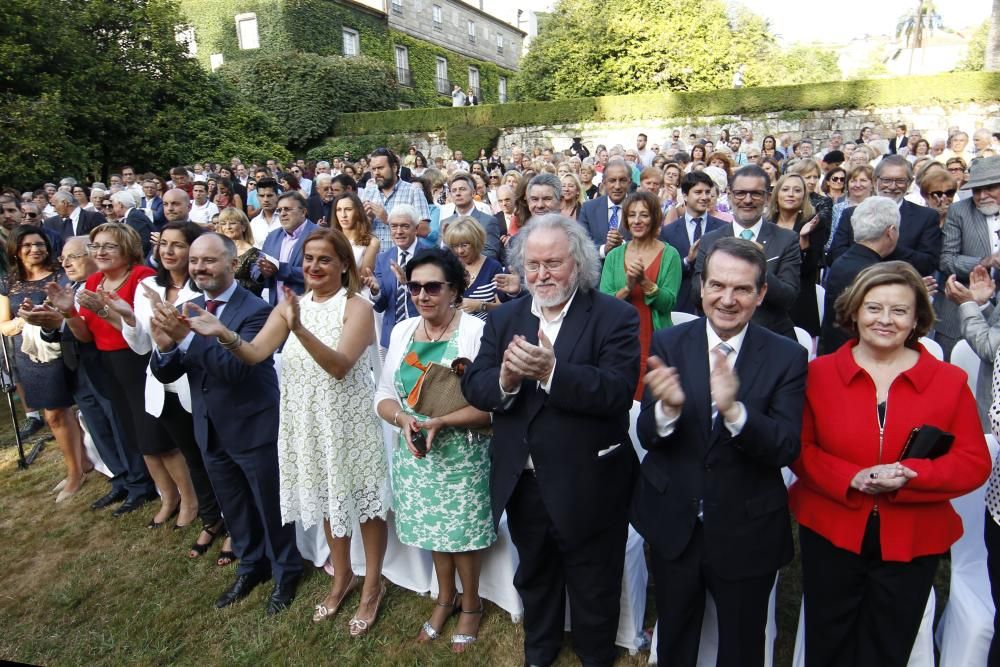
[(981, 329), (138, 221), (494, 247), (894, 147), (966, 240), (738, 479), (841, 275), (240, 401), (565, 431), (290, 272), (594, 218), (87, 221), (156, 205), (676, 234), (385, 301), (315, 207), (919, 237), (784, 262), (501, 220)]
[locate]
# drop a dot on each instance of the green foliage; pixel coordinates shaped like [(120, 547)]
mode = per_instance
[(362, 144), (805, 64), (975, 57), (88, 86), (307, 91), (469, 139), (938, 89), (874, 68)]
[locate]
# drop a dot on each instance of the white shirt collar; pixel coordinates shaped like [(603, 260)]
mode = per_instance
[(735, 342), (738, 229), (611, 205), (410, 251), (75, 215), (536, 310), (690, 218)]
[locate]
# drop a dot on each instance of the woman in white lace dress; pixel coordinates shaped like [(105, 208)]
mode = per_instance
[(332, 461)]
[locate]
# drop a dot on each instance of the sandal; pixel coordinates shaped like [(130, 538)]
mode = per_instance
[(323, 612), (427, 632), (461, 642), (226, 556), (198, 549), (359, 627)]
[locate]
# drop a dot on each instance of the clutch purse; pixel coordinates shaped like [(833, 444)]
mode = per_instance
[(438, 391), (927, 442)]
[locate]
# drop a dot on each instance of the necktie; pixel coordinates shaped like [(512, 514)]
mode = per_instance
[(212, 305), (69, 221), (747, 235), (697, 229), (727, 350), (401, 313), (613, 221)]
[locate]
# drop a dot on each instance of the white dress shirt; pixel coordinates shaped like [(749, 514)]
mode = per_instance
[(738, 229)]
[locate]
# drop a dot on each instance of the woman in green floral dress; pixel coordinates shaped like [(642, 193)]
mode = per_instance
[(441, 496)]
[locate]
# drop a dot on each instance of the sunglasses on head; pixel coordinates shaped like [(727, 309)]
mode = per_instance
[(944, 193), (433, 288)]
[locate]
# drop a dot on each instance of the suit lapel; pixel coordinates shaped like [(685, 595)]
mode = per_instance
[(765, 235), (232, 308), (695, 361), (981, 229), (572, 326), (748, 367)]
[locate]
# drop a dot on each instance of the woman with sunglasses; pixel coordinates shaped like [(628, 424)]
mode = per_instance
[(834, 184), (45, 383), (938, 188), (331, 457), (440, 465)]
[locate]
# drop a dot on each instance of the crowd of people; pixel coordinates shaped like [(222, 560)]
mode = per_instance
[(237, 340)]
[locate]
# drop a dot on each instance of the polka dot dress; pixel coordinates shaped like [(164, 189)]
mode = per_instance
[(993, 487)]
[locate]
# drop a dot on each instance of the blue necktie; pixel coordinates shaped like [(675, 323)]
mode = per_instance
[(697, 230), (401, 313), (613, 222)]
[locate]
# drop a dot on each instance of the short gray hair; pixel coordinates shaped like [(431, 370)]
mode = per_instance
[(64, 197), (69, 180), (322, 163), (125, 198), (322, 178), (581, 248), (404, 211), (873, 216), (548, 180), (894, 161)]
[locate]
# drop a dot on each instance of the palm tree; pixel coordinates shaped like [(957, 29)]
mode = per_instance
[(913, 24), (993, 40)]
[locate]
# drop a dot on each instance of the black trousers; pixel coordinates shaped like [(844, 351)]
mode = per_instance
[(860, 610), (741, 606), (126, 388), (549, 568), (992, 537), (175, 429)]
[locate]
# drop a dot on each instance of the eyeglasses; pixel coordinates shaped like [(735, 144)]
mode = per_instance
[(957, 169), (944, 193), (287, 209), (30, 215), (460, 246), (106, 247), (106, 206), (433, 288), (898, 182), (755, 195), (836, 179), (550, 265), (32, 246), (72, 258)]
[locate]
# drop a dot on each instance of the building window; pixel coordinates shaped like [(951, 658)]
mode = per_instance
[(436, 16), (502, 89), (352, 43), (499, 44), (215, 61), (397, 7), (441, 83), (246, 31), (185, 37), (472, 32), (404, 105), (474, 80), (403, 66)]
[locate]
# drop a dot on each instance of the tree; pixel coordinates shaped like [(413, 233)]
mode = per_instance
[(590, 47), (914, 24), (975, 56), (993, 40)]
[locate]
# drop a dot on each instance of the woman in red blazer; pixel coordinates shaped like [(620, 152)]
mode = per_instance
[(872, 527)]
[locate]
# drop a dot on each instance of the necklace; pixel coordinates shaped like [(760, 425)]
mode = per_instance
[(441, 335), (121, 282)]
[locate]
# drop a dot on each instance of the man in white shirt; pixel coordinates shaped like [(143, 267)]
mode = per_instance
[(643, 152), (267, 220), (202, 210)]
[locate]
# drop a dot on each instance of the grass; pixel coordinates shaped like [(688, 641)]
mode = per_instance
[(79, 587)]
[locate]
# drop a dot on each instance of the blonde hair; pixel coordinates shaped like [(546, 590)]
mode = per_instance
[(466, 230), (231, 214), (806, 211)]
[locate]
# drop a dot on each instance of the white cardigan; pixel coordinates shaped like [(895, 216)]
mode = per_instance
[(140, 340), (470, 330)]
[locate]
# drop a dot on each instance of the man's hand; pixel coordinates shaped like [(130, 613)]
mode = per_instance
[(693, 253), (509, 283), (613, 240), (534, 362), (267, 269), (375, 211), (982, 285), (931, 283), (724, 385), (369, 280), (664, 384), (167, 318)]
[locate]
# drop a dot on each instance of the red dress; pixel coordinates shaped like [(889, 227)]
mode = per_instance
[(106, 337), (638, 299)]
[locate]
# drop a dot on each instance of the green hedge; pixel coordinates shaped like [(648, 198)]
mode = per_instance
[(915, 90), (358, 145)]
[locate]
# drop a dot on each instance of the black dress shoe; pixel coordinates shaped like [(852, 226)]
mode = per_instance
[(281, 597), (29, 427), (132, 504), (109, 498), (241, 588)]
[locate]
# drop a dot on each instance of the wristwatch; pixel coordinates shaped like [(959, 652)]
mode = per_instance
[(103, 313)]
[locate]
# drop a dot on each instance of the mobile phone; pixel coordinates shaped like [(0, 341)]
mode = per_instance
[(419, 440)]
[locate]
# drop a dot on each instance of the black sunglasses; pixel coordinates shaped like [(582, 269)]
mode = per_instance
[(433, 288), (945, 193), (836, 179)]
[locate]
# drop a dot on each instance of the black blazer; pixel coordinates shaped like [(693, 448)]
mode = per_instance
[(138, 221), (841, 275), (88, 220), (676, 235), (746, 520), (784, 262), (919, 242), (894, 148), (316, 208), (586, 412)]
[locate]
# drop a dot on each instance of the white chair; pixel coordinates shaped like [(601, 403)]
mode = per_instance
[(90, 449), (966, 627), (633, 418), (963, 356), (821, 300), (680, 317), (933, 347), (805, 340)]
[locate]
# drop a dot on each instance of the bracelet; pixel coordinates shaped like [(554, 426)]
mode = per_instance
[(394, 418), (482, 306), (656, 289), (232, 344), (68, 315)]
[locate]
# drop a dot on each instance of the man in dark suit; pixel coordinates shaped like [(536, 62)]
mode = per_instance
[(285, 246), (749, 195), (603, 217), (123, 205), (388, 292), (70, 220), (721, 415), (235, 410), (876, 232), (463, 189), (558, 371), (899, 140), (685, 233), (150, 201), (920, 237)]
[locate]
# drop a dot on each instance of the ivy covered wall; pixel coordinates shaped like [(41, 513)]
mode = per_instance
[(315, 26)]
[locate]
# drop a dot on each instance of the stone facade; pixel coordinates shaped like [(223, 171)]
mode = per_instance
[(933, 122)]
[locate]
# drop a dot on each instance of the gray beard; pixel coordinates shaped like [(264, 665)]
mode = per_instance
[(560, 297), (988, 209)]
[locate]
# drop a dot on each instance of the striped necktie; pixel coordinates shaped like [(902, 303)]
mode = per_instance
[(401, 313)]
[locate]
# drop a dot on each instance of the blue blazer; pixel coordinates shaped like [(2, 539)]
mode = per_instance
[(241, 401), (572, 431), (737, 478), (290, 272), (156, 204), (676, 235), (88, 220), (385, 302), (594, 218), (920, 238)]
